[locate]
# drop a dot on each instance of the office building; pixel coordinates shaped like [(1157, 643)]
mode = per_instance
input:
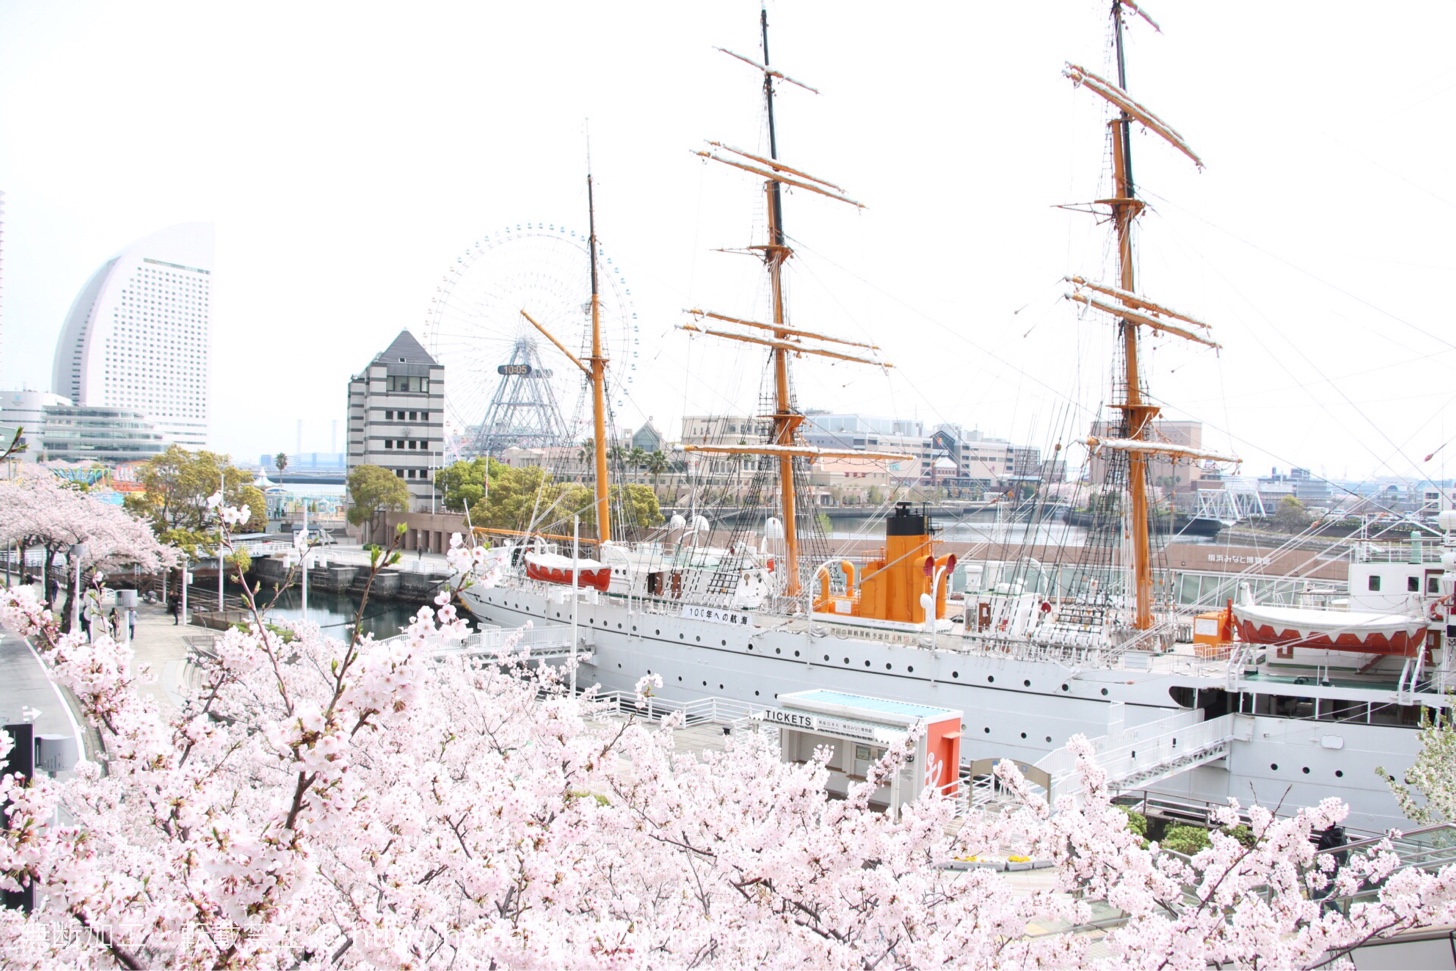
[(397, 416)]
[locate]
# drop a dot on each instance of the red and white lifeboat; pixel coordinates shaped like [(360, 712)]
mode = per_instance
[(1398, 635), (555, 568)]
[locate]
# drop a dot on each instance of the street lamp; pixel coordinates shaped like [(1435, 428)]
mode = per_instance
[(77, 551)]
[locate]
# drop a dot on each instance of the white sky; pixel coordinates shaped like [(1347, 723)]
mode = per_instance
[(350, 153)]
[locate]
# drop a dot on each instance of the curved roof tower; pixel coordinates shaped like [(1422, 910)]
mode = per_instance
[(138, 334)]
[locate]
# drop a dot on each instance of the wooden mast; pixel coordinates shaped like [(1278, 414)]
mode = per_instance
[(1134, 312), (598, 381), (781, 340), (785, 421), (1137, 415), (595, 369)]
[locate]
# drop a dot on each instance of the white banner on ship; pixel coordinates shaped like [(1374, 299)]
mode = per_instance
[(695, 612)]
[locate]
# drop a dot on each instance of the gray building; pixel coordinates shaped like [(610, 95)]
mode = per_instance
[(397, 416)]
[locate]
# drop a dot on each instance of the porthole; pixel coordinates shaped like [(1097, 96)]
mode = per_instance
[(826, 657), (619, 627), (1023, 735), (705, 684), (796, 654), (679, 677), (634, 628), (990, 679), (778, 650), (1339, 773), (1305, 770), (955, 674), (619, 666), (987, 731), (755, 694), (1026, 684), (682, 637), (1049, 739), (867, 664), (698, 638), (1273, 766), (910, 668), (1104, 692), (659, 633), (750, 647), (888, 666), (1066, 688), (720, 687), (558, 613), (846, 660)]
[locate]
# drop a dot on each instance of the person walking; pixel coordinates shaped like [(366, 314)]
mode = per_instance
[(174, 609), (130, 624)]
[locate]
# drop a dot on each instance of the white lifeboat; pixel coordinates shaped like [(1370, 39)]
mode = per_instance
[(1398, 635), (555, 568)]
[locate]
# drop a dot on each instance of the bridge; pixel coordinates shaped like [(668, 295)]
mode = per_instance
[(1149, 753)]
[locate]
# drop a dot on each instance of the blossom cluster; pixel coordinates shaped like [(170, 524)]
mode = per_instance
[(365, 803)]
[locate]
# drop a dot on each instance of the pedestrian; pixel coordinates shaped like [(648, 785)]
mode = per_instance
[(114, 619), (174, 609), (130, 623)]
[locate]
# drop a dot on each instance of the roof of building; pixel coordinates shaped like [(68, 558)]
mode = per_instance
[(406, 350)]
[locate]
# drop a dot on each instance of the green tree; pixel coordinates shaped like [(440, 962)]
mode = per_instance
[(463, 484), (636, 457), (1188, 840), (517, 497), (1291, 516), (657, 464), (281, 461), (1427, 793), (252, 497), (178, 484), (372, 490)]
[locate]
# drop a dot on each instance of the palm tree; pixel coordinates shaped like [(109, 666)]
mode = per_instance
[(636, 458), (656, 465)]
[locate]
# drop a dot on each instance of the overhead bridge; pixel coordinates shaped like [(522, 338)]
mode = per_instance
[(1150, 752)]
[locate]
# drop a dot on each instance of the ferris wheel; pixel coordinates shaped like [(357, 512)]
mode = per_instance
[(505, 384)]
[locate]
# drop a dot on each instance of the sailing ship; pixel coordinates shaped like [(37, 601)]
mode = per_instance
[(1177, 698)]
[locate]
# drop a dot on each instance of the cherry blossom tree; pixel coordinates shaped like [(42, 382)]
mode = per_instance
[(36, 509), (319, 802)]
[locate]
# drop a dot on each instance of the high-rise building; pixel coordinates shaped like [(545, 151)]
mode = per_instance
[(397, 416), (138, 334)]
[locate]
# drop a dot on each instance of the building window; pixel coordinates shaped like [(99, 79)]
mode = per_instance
[(411, 473), (1413, 584), (389, 416), (1375, 583), (412, 443), (399, 443), (389, 443), (424, 416), (399, 473), (413, 415)]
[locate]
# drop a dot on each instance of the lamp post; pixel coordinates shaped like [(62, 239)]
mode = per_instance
[(575, 598), (77, 551), (183, 584)]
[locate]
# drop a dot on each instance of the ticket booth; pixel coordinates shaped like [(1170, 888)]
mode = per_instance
[(858, 729)]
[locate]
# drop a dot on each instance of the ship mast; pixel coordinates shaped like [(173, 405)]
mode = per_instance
[(1137, 416), (1132, 312), (595, 369), (785, 420), (780, 338)]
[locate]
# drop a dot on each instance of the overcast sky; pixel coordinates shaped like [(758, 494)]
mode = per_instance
[(351, 154)]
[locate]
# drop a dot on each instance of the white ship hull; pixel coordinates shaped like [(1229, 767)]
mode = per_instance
[(1018, 708)]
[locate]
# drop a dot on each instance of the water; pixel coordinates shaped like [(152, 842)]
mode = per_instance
[(334, 612)]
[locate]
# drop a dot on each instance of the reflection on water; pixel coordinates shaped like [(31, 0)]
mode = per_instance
[(334, 612)]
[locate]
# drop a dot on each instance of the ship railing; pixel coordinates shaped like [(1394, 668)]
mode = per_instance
[(540, 640), (714, 711)]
